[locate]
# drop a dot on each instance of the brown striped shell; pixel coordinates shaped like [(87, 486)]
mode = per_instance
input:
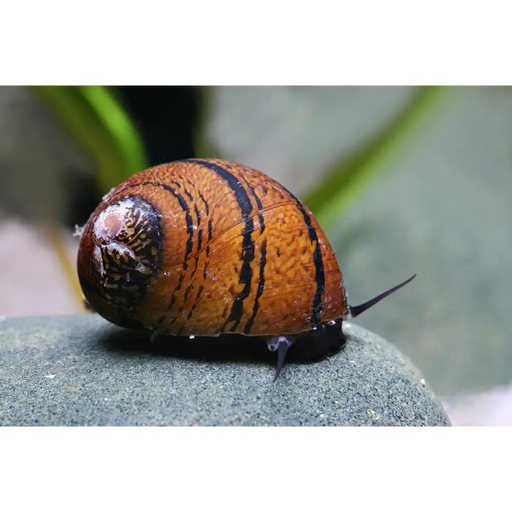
[(204, 247)]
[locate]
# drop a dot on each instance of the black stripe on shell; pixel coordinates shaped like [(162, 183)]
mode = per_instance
[(246, 208), (317, 304), (261, 286), (260, 206)]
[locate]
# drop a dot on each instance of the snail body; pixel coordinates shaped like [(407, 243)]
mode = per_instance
[(206, 247)]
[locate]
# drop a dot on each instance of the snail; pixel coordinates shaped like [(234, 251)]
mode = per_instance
[(203, 247)]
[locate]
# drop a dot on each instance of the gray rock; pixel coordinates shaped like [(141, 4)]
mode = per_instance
[(81, 370)]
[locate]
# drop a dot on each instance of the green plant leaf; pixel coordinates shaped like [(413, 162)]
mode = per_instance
[(348, 178), (98, 122), (202, 146)]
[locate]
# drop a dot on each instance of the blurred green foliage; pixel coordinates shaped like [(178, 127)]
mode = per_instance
[(347, 179), (98, 122)]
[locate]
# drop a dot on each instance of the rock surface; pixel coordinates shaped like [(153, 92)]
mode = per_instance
[(81, 370)]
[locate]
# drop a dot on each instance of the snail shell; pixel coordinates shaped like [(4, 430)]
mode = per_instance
[(204, 247)]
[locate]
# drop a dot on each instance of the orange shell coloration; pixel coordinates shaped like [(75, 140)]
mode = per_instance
[(204, 247)]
